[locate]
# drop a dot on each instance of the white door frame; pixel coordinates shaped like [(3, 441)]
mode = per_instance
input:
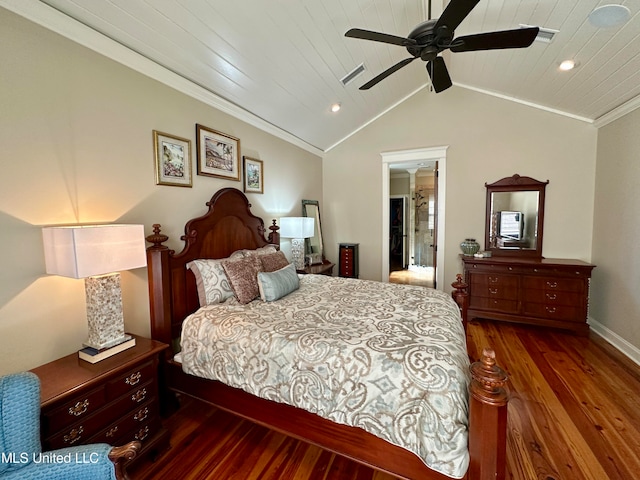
[(415, 156)]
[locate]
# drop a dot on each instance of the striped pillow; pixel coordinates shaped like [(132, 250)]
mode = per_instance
[(275, 285)]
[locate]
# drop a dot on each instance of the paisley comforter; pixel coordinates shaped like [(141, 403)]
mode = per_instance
[(390, 359)]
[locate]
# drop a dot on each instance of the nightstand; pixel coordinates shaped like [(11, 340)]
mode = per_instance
[(324, 268), (114, 401)]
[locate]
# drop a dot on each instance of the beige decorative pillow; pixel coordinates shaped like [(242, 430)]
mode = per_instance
[(211, 281), (273, 261), (243, 277)]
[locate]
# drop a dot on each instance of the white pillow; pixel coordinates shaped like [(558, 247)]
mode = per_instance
[(211, 280), (275, 285)]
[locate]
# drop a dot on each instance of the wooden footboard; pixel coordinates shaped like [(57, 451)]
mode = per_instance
[(487, 432)]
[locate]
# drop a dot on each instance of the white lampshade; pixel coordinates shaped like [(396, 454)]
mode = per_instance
[(296, 227), (84, 251)]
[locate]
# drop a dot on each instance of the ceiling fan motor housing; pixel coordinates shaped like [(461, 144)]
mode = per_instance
[(429, 43)]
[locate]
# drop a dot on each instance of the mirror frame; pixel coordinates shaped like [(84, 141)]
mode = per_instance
[(516, 183), (307, 248)]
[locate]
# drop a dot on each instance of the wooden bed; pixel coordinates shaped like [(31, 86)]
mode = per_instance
[(229, 225)]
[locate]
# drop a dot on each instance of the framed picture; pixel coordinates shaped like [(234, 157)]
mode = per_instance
[(218, 154), (253, 175), (173, 160)]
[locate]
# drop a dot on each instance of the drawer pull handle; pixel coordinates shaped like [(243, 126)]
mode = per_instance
[(112, 432), (79, 408), (552, 284), (494, 279), (551, 296), (74, 436), (139, 396), (551, 309), (142, 415), (142, 433), (133, 379), (493, 291)]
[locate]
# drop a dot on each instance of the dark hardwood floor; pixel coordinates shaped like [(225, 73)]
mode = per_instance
[(574, 414)]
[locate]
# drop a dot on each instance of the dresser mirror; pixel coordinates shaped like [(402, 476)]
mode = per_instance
[(314, 246), (515, 217)]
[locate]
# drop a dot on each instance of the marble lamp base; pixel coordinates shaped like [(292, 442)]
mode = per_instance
[(297, 252), (104, 313)]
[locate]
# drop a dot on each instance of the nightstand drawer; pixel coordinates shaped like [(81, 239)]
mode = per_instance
[(73, 410), (121, 408), (133, 421), (130, 380)]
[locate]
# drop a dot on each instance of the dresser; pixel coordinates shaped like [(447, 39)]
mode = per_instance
[(545, 292), (348, 260), (114, 401)]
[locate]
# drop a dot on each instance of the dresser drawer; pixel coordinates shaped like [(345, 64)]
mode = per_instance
[(554, 298), (494, 280), (494, 304), (73, 410), (130, 380), (554, 312), (554, 284)]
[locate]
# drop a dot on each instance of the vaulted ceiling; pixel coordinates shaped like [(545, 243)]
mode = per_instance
[(283, 60)]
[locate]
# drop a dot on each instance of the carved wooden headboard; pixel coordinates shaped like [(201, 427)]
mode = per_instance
[(227, 226)]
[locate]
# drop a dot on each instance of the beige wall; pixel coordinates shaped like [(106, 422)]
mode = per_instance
[(488, 139), (76, 136), (615, 302)]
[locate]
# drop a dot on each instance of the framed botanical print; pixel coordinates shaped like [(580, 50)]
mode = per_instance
[(172, 159), (253, 175), (218, 154)]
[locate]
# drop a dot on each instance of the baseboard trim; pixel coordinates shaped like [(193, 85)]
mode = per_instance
[(616, 340)]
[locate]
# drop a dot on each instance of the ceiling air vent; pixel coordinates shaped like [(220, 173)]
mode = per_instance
[(544, 35), (352, 74)]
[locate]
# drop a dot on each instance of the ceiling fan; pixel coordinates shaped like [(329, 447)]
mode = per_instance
[(430, 38)]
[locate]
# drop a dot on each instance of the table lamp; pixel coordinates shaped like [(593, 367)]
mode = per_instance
[(97, 253), (297, 229)]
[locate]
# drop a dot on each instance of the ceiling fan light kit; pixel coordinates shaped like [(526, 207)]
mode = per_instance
[(427, 40)]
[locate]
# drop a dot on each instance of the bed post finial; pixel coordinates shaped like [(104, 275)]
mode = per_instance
[(488, 379), (487, 419), (274, 236), (157, 238), (461, 296)]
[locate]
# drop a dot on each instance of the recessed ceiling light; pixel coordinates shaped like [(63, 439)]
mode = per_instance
[(335, 107), (567, 65), (609, 16)]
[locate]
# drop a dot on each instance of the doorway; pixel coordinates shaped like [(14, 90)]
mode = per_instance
[(412, 222), (425, 233), (398, 226)]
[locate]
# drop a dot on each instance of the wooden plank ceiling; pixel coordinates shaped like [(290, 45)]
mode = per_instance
[(282, 60)]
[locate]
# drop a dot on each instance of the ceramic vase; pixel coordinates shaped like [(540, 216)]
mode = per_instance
[(469, 247)]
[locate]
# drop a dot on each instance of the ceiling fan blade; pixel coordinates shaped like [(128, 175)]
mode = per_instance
[(518, 38), (439, 74), (455, 13), (387, 72), (379, 37)]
